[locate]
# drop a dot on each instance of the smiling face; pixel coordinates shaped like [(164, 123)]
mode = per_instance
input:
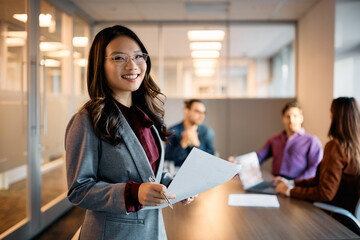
[(125, 78)]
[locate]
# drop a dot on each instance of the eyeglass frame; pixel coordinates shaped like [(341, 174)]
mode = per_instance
[(144, 55)]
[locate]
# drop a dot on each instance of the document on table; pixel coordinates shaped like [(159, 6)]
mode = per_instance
[(199, 172), (253, 200)]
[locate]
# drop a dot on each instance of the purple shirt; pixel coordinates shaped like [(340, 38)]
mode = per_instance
[(295, 157)]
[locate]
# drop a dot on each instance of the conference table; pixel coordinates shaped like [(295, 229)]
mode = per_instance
[(209, 217)]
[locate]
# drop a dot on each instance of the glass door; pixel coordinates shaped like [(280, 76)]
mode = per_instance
[(41, 86), (55, 89), (13, 117)]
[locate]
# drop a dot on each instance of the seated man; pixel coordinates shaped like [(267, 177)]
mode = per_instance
[(190, 133), (295, 153)]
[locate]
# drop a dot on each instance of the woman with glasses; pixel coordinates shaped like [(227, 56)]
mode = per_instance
[(337, 179), (114, 150)]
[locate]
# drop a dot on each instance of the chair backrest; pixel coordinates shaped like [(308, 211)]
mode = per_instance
[(342, 215), (357, 210)]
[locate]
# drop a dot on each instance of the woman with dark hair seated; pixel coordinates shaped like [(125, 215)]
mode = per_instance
[(337, 176)]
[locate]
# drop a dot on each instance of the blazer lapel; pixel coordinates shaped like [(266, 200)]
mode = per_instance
[(136, 150), (162, 152)]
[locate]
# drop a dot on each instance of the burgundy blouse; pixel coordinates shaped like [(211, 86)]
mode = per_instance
[(141, 125)]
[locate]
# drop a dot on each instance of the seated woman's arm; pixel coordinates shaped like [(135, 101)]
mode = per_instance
[(329, 176)]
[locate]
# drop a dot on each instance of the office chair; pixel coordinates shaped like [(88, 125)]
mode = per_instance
[(344, 216)]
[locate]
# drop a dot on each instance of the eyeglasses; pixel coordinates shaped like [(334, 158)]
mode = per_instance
[(122, 58)]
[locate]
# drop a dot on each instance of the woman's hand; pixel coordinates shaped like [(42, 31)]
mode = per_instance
[(282, 188), (150, 194), (189, 200), (232, 159), (278, 179)]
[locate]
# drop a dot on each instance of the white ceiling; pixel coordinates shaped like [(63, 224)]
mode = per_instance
[(190, 10), (244, 40), (259, 28)]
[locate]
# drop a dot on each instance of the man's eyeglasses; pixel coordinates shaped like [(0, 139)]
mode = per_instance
[(122, 58)]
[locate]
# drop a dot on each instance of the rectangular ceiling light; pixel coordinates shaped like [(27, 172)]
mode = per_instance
[(58, 53), (51, 46), (15, 42), (206, 35), (205, 46), (17, 34), (44, 19), (204, 63), (80, 41), (204, 72), (82, 62), (20, 17), (50, 63), (205, 54)]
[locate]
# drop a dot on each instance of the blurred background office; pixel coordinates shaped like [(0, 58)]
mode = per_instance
[(263, 53)]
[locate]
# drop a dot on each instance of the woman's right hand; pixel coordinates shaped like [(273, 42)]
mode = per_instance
[(150, 194)]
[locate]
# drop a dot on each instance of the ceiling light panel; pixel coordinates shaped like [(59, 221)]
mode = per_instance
[(204, 63), (15, 42), (51, 46), (44, 19), (80, 41), (204, 72), (206, 35), (17, 34), (205, 54), (205, 46)]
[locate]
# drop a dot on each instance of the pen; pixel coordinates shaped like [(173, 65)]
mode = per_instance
[(152, 179)]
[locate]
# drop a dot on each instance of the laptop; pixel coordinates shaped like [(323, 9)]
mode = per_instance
[(250, 175)]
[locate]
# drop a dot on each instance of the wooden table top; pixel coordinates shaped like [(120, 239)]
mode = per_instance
[(209, 217)]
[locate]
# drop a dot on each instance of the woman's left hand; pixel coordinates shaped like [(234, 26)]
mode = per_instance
[(189, 200)]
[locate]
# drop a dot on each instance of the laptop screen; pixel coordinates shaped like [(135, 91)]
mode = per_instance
[(250, 173)]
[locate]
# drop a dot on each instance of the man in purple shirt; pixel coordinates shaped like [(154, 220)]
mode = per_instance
[(295, 153)]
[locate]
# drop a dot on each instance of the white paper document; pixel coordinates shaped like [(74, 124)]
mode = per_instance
[(199, 172), (253, 200)]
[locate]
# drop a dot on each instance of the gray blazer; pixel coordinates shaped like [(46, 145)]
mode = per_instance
[(97, 173)]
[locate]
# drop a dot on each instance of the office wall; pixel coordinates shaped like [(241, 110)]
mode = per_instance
[(240, 125), (316, 66)]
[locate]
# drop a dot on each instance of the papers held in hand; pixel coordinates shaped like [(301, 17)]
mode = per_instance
[(200, 172)]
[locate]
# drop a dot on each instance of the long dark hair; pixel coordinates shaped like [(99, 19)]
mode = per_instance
[(345, 127), (102, 106)]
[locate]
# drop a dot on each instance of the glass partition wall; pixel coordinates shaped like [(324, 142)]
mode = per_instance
[(232, 60), (55, 72), (81, 45), (37, 99), (347, 49), (13, 117), (63, 60)]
